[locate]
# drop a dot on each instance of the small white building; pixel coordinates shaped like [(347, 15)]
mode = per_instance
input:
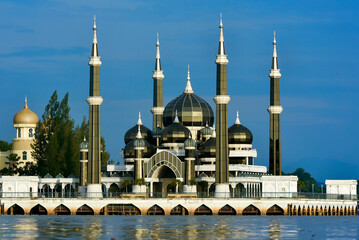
[(344, 187), (19, 186)]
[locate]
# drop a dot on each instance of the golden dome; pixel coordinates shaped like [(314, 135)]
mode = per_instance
[(25, 116)]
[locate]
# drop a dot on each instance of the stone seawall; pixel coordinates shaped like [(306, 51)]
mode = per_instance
[(181, 206)]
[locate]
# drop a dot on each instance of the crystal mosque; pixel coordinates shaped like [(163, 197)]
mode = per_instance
[(188, 144)]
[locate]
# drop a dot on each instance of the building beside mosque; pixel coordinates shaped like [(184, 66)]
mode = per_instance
[(25, 122), (189, 145)]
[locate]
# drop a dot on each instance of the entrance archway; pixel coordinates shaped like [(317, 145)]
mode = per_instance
[(155, 210), (15, 210), (276, 210), (251, 210), (62, 210), (179, 210), (203, 210), (85, 210), (38, 210), (227, 210)]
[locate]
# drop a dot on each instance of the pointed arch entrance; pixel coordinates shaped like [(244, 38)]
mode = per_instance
[(227, 210), (15, 210), (276, 210), (38, 210), (251, 210), (162, 169), (179, 210)]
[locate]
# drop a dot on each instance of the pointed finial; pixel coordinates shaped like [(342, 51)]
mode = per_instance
[(221, 56), (206, 123), (139, 135), (214, 131), (139, 122), (237, 120), (188, 88), (176, 118), (274, 40), (158, 40), (94, 22), (220, 22), (84, 138), (25, 102)]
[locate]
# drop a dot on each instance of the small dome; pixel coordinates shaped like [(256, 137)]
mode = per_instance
[(129, 150), (25, 116), (157, 132), (71, 176), (84, 144), (139, 143), (59, 176), (48, 176), (175, 133), (132, 132), (208, 149), (189, 143), (192, 110), (206, 131), (239, 134)]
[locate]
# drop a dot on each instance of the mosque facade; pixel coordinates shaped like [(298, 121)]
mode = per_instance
[(190, 151), (190, 143)]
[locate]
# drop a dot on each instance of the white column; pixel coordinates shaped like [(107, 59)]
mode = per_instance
[(151, 188)]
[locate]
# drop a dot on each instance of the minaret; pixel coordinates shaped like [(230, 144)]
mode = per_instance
[(139, 145), (274, 110), (221, 100), (157, 109), (94, 100)]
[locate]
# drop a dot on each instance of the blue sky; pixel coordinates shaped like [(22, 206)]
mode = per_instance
[(46, 45)]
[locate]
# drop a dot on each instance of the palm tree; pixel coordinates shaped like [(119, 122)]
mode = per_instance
[(13, 162), (301, 185), (125, 183)]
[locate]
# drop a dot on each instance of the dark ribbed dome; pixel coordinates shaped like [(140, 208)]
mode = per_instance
[(192, 110), (132, 132), (129, 150), (157, 132), (190, 143), (175, 133), (239, 134), (208, 149), (206, 131)]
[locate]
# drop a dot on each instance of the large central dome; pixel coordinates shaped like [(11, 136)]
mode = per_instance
[(191, 109)]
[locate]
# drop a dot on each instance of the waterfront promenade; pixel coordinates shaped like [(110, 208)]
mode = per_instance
[(181, 204)]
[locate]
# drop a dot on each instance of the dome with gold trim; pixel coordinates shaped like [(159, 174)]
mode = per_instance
[(25, 116), (192, 110)]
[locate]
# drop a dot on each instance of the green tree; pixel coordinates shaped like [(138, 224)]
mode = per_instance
[(13, 162), (140, 181), (125, 184), (305, 180), (5, 146)]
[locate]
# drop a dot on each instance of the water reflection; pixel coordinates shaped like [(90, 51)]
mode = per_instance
[(274, 229), (178, 227)]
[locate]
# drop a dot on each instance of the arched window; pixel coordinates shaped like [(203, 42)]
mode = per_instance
[(31, 134), (19, 132), (24, 155)]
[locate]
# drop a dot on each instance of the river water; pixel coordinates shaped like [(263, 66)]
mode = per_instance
[(179, 227)]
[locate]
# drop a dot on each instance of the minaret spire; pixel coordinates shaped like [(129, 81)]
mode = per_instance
[(25, 106), (139, 122), (94, 100), (157, 109), (237, 120), (221, 57), (222, 99), (274, 110), (274, 70), (139, 135), (188, 86), (94, 59)]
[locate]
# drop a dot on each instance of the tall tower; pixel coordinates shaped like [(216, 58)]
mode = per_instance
[(94, 100), (274, 111), (157, 109), (221, 100)]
